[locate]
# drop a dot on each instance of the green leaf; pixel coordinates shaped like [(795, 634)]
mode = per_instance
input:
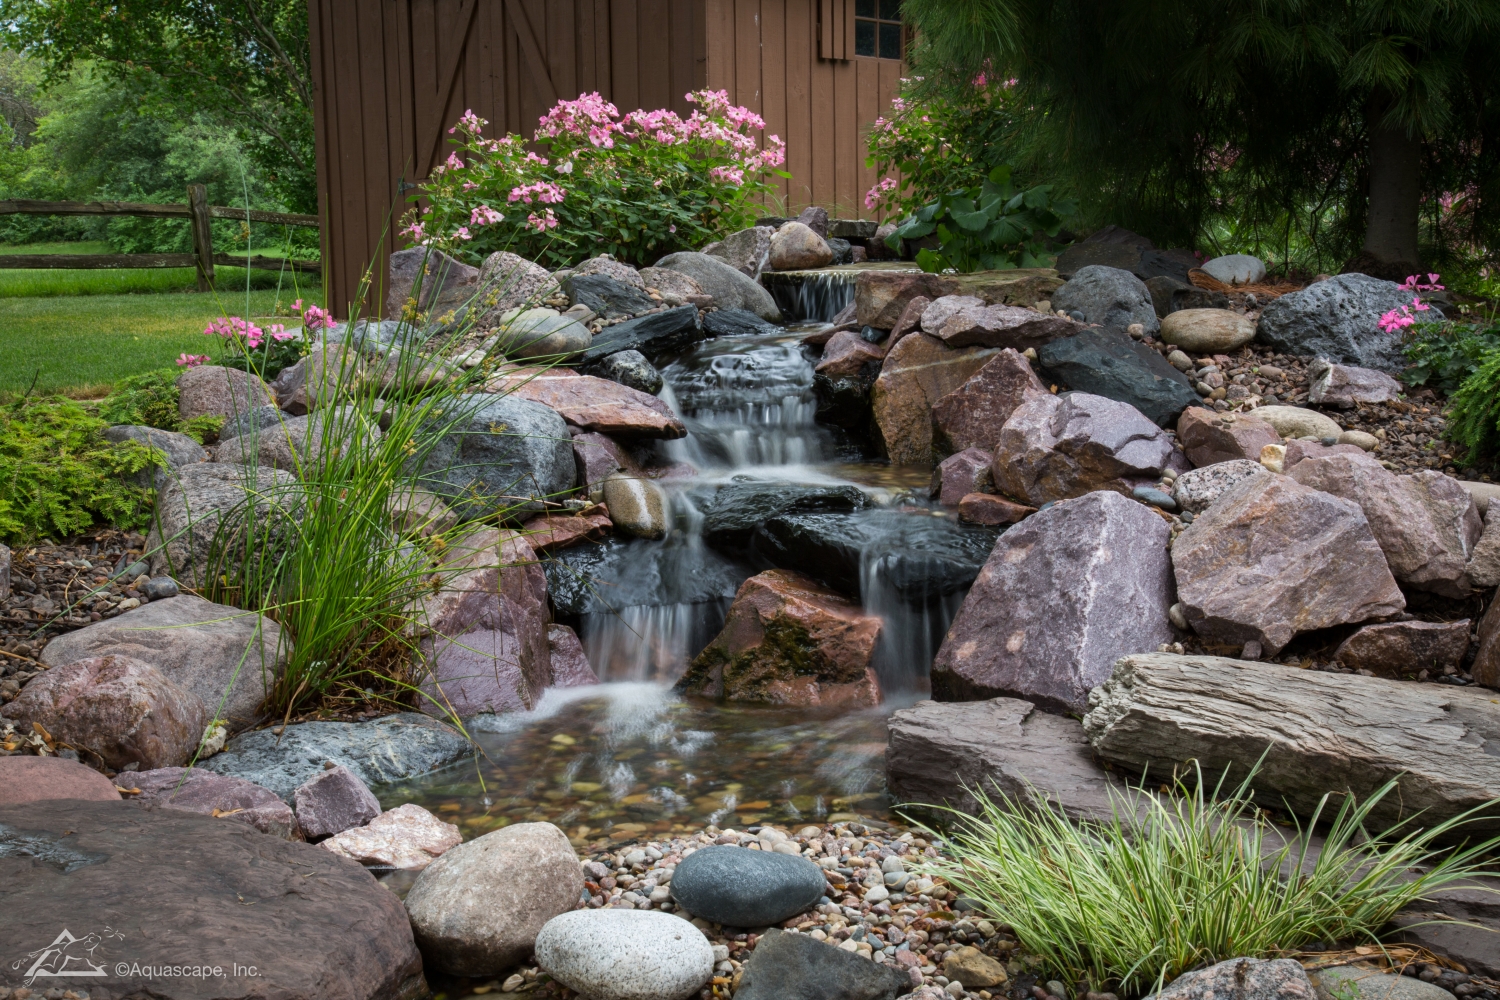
[(931, 261), (972, 221)]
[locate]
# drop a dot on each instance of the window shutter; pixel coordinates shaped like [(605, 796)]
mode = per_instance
[(835, 29)]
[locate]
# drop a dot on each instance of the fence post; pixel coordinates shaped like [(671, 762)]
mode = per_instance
[(203, 235)]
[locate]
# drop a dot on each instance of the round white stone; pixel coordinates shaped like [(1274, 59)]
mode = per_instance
[(625, 954)]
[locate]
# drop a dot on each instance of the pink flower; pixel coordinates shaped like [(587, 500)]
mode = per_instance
[(878, 193), (672, 228), (727, 175), (314, 318), (186, 360), (542, 223), (463, 233), (453, 162), (543, 191), (484, 216)]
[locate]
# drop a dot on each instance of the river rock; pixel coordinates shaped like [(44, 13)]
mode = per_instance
[(625, 954), (1054, 447), (1484, 562), (497, 449), (1320, 733), (1336, 320), (917, 373), (1392, 649), (847, 353), (733, 511), (554, 531), (332, 801), (795, 247), (407, 837), (392, 748), (1063, 595), (673, 286), (477, 909), (971, 415), (880, 297), (330, 372), (1243, 979), (607, 296), (1209, 438), (965, 321), (446, 285), (938, 753), (986, 508), (208, 502), (637, 506), (747, 251), (744, 888), (214, 391), (1345, 386), (595, 404), (973, 968), (177, 449), (1366, 983), (543, 333), (222, 894), (787, 966), (960, 474), (655, 335), (35, 779), (227, 658), (1110, 364), (1169, 294), (1272, 558), (1207, 331), (1109, 297), (617, 270), (1196, 489), (116, 708), (218, 795), (730, 289), (570, 664), (1297, 422), (1235, 269), (788, 641), (1426, 523), (1298, 450), (631, 369)]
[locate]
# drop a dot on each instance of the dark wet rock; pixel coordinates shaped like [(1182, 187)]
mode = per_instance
[(732, 512), (744, 888), (845, 402), (630, 368), (937, 752), (1107, 297), (310, 923), (497, 449), (736, 323), (620, 573), (220, 795), (795, 967), (920, 556), (36, 779), (1243, 979), (1168, 295), (389, 749), (1336, 320), (1110, 364), (654, 335), (607, 297), (1064, 595)]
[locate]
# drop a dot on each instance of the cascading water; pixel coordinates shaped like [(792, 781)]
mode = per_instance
[(814, 296)]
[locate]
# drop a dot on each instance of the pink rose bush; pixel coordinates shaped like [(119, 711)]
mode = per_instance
[(592, 180), (264, 351)]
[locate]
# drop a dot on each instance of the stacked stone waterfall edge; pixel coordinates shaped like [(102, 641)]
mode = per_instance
[(1035, 533)]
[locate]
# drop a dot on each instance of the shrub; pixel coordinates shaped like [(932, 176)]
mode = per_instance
[(269, 352), (1443, 355), (990, 227), (58, 476), (637, 186), (151, 400), (1474, 418), (1130, 903)]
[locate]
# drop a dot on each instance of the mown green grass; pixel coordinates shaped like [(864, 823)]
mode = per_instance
[(29, 282)]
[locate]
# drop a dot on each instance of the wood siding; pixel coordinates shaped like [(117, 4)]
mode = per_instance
[(768, 55)]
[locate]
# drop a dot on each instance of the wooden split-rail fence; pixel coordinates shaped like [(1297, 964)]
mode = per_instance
[(197, 210)]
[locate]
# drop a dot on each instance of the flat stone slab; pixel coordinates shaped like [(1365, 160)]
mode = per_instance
[(126, 888), (389, 749)]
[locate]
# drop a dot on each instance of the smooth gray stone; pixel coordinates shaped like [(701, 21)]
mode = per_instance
[(502, 453), (795, 967), (1108, 296), (619, 954), (654, 334), (1372, 984), (1242, 979), (744, 888), (730, 289)]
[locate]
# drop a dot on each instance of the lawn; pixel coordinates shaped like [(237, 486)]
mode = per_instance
[(77, 331)]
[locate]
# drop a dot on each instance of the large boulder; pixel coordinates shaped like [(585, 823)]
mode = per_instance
[(1243, 979), (115, 708), (1110, 364), (625, 954), (35, 779), (606, 265), (795, 247), (477, 909), (446, 285), (1320, 733), (1336, 320), (1108, 297), (1209, 438), (1272, 558), (177, 449), (1063, 595), (543, 333), (594, 404), (654, 335), (787, 966), (880, 297), (330, 372), (1346, 386), (213, 391), (1207, 331), (192, 789), (971, 415), (674, 287), (788, 641), (940, 753), (512, 282), (1054, 447), (268, 917), (733, 885), (200, 523), (918, 371), (730, 289), (297, 444), (500, 454), (607, 296), (228, 658), (387, 749), (747, 251), (1426, 524), (965, 321)]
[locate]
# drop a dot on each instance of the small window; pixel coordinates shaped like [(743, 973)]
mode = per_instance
[(877, 28)]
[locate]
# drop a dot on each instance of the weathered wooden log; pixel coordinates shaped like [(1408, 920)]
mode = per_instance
[(28, 206), (1320, 733), (101, 261)]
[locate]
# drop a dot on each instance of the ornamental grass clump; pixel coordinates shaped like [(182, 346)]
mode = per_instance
[(591, 180), (1173, 882)]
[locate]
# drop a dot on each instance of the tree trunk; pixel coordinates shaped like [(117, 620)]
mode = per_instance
[(1395, 188)]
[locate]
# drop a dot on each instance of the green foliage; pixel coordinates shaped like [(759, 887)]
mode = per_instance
[(149, 399), (987, 228), (637, 186), (1443, 355), (1130, 903), (1474, 414), (58, 476)]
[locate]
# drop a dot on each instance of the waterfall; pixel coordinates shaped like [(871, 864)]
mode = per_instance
[(811, 296)]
